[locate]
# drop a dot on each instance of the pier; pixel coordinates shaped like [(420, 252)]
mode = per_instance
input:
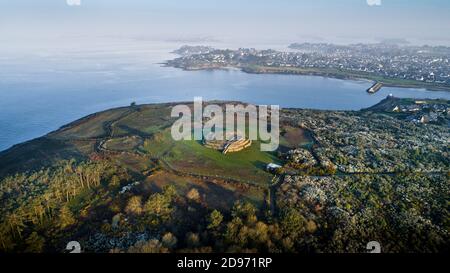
[(375, 88)]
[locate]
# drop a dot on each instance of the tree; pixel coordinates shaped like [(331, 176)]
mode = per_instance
[(193, 195), (245, 211), (311, 226), (7, 242), (260, 233), (192, 239), (232, 230), (243, 236), (152, 246), (134, 205), (39, 212), (293, 223), (157, 209), (215, 219), (115, 181), (16, 223), (169, 191), (169, 240), (158, 204), (35, 243), (66, 217)]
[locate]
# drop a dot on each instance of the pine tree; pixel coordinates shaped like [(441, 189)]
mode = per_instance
[(66, 217), (35, 243), (215, 219), (134, 205)]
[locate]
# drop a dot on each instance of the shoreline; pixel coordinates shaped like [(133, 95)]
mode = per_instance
[(320, 73)]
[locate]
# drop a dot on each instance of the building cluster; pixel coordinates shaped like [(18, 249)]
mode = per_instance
[(419, 63), (423, 64), (424, 112)]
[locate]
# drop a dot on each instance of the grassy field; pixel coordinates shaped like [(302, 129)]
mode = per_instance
[(123, 143), (193, 157), (213, 195), (144, 121), (292, 138), (93, 126), (41, 152), (129, 131)]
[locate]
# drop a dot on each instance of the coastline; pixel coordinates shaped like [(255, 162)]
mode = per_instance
[(334, 74), (373, 79)]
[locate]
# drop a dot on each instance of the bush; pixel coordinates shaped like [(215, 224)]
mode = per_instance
[(169, 240), (192, 240), (215, 219), (152, 246)]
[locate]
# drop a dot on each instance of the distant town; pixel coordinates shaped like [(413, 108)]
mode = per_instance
[(390, 64)]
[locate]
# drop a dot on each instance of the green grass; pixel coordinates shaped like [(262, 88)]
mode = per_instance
[(91, 126), (191, 156), (123, 144), (145, 122)]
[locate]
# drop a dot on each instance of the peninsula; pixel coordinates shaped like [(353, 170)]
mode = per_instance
[(116, 181), (390, 65)]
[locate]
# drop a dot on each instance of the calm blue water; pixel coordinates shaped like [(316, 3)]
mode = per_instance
[(42, 91)]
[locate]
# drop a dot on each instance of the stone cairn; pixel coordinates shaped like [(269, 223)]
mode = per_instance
[(236, 144)]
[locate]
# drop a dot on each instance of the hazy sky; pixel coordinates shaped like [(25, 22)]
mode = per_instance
[(243, 21)]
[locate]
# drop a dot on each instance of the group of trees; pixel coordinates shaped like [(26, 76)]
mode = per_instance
[(156, 210), (243, 229), (43, 210), (37, 208)]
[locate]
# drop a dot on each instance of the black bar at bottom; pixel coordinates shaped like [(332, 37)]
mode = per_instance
[(224, 262)]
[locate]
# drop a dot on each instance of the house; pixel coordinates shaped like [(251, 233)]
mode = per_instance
[(271, 167), (431, 117), (425, 119)]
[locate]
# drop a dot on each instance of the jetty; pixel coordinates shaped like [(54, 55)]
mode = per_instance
[(375, 88)]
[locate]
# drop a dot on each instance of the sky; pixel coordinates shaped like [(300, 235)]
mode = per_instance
[(239, 21)]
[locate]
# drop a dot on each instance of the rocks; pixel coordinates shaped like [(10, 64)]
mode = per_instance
[(371, 142), (129, 187), (300, 191), (103, 243), (313, 195), (116, 220), (301, 157)]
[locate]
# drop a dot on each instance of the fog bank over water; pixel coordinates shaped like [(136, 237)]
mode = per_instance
[(50, 22)]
